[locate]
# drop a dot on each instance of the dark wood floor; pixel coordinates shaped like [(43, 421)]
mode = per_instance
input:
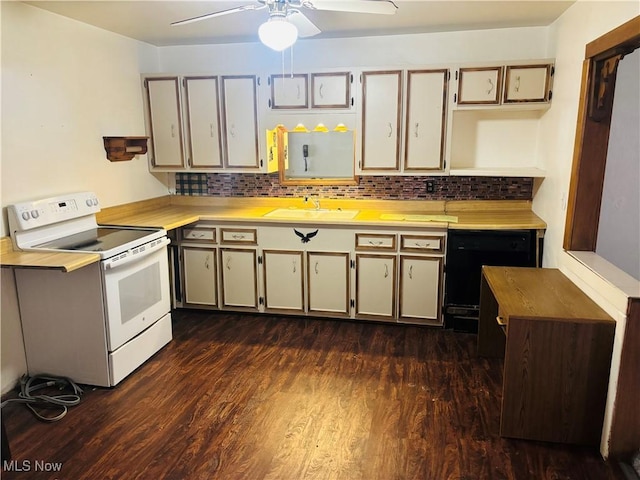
[(256, 397)]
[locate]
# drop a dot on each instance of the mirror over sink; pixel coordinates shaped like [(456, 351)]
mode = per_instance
[(314, 157)]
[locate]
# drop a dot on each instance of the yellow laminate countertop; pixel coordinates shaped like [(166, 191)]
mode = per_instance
[(67, 262), (170, 212)]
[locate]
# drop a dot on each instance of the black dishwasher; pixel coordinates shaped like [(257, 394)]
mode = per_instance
[(467, 252)]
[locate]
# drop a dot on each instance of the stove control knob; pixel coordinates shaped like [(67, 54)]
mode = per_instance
[(88, 202), (35, 213), (26, 216), (95, 201)]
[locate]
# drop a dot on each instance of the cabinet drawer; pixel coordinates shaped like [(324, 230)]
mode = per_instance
[(422, 243), (199, 234), (238, 236), (376, 241)]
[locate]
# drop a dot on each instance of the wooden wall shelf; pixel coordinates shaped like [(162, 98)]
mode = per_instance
[(124, 148)]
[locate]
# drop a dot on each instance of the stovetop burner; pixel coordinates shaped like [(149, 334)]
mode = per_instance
[(99, 239)]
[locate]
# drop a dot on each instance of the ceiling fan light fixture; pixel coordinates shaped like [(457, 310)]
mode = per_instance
[(277, 33)]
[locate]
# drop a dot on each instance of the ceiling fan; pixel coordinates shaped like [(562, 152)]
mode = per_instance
[(286, 21)]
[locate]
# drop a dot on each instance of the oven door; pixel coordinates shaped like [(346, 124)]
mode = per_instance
[(136, 292)]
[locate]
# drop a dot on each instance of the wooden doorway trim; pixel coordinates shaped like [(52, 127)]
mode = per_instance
[(592, 133)]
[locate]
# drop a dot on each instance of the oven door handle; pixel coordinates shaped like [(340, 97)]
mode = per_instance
[(129, 257)]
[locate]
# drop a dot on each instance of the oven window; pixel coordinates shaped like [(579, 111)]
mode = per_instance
[(139, 292)]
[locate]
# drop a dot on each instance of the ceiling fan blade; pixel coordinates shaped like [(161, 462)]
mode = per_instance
[(384, 7), (306, 27), (219, 14)]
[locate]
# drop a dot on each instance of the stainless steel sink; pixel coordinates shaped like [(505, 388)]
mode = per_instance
[(303, 214)]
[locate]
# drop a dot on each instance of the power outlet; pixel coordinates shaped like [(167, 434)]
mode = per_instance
[(431, 186)]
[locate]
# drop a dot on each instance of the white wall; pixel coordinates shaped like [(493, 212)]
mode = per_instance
[(418, 49), (582, 23), (64, 86)]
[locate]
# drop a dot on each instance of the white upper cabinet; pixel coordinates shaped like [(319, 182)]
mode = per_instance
[(504, 85), (381, 117), (527, 83), (240, 122), (425, 120), (165, 122), (289, 91), (331, 90), (479, 86), (494, 123), (203, 122)]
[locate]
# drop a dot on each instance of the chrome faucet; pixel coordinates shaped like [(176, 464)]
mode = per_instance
[(315, 200)]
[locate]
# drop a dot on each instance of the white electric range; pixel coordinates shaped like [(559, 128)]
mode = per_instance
[(97, 324)]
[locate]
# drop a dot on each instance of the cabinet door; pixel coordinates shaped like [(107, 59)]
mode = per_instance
[(426, 111), (203, 122), (479, 86), (328, 282), (238, 275), (527, 83), (330, 90), (289, 91), (283, 280), (420, 289), (199, 273), (240, 121), (381, 106), (376, 285), (163, 100)]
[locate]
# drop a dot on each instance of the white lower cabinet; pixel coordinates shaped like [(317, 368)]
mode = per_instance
[(420, 289), (283, 272), (200, 276), (376, 286), (328, 282), (306, 270), (328, 271), (239, 278)]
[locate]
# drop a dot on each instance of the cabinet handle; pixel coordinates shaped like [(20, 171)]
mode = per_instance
[(206, 262), (517, 85), (390, 130), (375, 244), (386, 270), (173, 131), (320, 90), (294, 266), (238, 236), (232, 130), (491, 86), (411, 272), (298, 94), (316, 268), (211, 130), (416, 129), (229, 263)]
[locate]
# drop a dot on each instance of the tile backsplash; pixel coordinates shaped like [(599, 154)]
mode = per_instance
[(369, 187)]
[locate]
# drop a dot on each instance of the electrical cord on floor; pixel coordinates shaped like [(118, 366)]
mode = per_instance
[(29, 385)]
